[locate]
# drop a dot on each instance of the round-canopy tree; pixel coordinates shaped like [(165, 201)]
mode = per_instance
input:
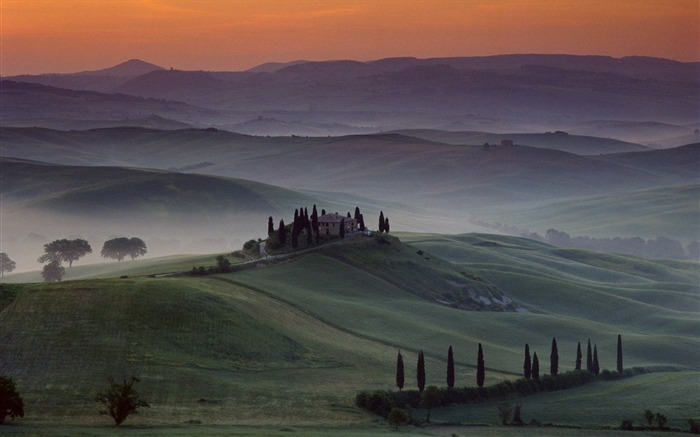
[(65, 250), (120, 248), (53, 271), (6, 264)]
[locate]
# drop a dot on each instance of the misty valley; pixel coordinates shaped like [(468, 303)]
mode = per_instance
[(293, 249)]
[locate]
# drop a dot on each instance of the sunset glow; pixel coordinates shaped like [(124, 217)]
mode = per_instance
[(41, 36)]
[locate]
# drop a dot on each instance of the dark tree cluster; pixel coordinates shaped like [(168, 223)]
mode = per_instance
[(383, 222), (305, 224)]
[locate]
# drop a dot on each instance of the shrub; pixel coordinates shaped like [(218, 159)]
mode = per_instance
[(627, 425), (397, 416), (694, 426), (11, 403)]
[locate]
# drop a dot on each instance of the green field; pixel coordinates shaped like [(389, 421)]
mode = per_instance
[(290, 344)]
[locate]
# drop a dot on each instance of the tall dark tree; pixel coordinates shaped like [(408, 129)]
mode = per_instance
[(527, 365), (596, 364), (386, 225), (282, 234), (65, 250), (480, 368), (535, 366), (554, 358), (323, 212), (341, 231), (357, 213), (361, 223), (420, 371), (619, 354), (579, 356), (6, 264), (381, 221), (589, 358), (399, 371), (314, 223), (450, 369), (270, 226), (308, 235), (295, 223)]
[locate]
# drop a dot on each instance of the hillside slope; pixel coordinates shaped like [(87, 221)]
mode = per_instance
[(293, 342)]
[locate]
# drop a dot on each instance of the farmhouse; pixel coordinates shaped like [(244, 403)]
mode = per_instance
[(329, 224)]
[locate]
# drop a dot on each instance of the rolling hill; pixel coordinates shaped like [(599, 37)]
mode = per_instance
[(291, 343), (421, 184), (388, 166)]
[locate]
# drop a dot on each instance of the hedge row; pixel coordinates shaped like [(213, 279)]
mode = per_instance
[(380, 402)]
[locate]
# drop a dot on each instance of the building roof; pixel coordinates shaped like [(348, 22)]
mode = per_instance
[(333, 218)]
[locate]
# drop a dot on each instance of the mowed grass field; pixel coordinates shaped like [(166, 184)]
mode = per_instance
[(289, 345)]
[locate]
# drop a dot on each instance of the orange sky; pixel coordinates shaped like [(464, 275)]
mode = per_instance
[(39, 36)]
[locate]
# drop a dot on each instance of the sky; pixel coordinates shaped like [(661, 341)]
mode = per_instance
[(60, 36)]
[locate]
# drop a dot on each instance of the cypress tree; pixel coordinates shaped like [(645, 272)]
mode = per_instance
[(282, 234), (314, 222), (381, 221), (386, 225), (480, 368), (578, 356), (619, 354), (596, 365), (420, 371), (342, 229), (399, 371), (589, 358), (323, 212), (308, 235), (362, 223), (357, 213), (535, 366), (450, 369), (527, 366), (270, 226), (554, 358)]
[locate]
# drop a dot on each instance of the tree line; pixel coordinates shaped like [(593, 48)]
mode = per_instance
[(533, 380), (659, 247), (64, 250)]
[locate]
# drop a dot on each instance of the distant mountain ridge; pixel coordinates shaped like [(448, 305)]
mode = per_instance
[(491, 93)]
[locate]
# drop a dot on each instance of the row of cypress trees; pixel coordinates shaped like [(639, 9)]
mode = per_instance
[(531, 365)]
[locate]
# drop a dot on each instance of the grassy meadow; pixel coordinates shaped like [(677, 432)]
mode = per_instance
[(283, 349)]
